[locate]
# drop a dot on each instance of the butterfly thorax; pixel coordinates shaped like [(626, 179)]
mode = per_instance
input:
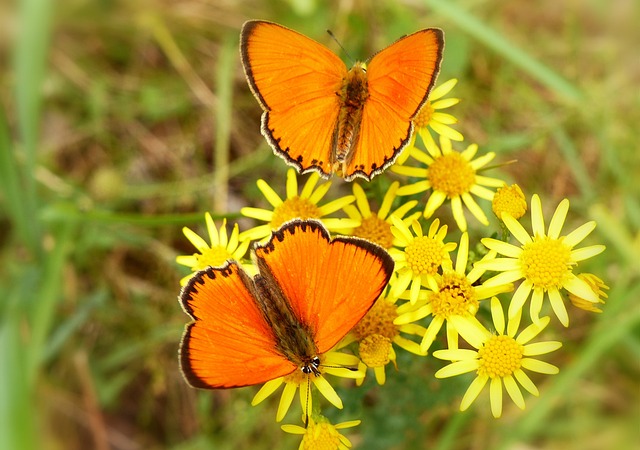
[(353, 94), (294, 339)]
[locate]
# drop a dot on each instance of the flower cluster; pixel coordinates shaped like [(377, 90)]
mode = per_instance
[(442, 277)]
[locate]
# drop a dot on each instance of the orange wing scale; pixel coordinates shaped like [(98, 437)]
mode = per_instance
[(295, 79), (228, 344), (400, 78), (330, 284)]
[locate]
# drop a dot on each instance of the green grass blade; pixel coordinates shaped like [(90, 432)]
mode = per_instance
[(503, 46)]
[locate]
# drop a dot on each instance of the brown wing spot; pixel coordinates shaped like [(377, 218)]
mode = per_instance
[(299, 158)]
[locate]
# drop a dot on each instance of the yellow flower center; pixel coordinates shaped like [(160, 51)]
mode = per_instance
[(546, 262), (374, 350), (451, 174), (321, 436), (422, 119), (499, 357), (214, 257), (456, 296), (376, 230), (292, 208), (378, 321), (424, 255), (509, 199)]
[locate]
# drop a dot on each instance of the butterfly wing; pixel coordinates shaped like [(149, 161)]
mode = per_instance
[(330, 285), (400, 78), (228, 344), (295, 80)]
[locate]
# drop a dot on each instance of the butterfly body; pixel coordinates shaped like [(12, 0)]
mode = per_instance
[(320, 116), (353, 95), (302, 303)]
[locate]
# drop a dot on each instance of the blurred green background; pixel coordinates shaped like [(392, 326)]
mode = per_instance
[(121, 122)]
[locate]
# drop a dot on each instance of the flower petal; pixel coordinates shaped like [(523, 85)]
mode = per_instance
[(473, 391), (558, 218), (579, 234), (495, 397), (526, 382), (536, 365), (514, 391), (272, 197), (541, 348), (457, 368), (537, 218)]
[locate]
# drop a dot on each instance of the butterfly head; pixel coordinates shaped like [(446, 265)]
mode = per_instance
[(311, 367)]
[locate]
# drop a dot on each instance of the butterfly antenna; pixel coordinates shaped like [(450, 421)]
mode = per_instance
[(333, 36), (306, 415)]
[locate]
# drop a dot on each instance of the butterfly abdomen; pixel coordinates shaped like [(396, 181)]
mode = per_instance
[(353, 95)]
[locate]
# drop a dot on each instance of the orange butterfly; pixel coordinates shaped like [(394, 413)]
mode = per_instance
[(310, 292), (320, 116)]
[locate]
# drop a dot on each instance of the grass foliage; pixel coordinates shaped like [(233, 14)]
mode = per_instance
[(121, 122)]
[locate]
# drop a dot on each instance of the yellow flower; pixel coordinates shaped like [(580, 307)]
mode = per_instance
[(332, 362), (500, 358), (303, 205), (597, 285), (509, 199), (429, 116), (376, 333), (451, 175), (376, 227), (455, 299), (222, 248), (320, 434), (421, 259), (545, 261)]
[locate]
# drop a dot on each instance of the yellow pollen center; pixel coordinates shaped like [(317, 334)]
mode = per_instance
[(292, 208), (451, 174), (379, 320), (500, 356), (546, 262), (374, 350), (424, 255), (321, 436), (509, 199), (376, 230), (215, 256), (456, 296), (422, 119)]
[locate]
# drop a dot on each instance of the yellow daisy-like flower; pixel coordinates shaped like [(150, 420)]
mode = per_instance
[(598, 286), (376, 333), (430, 116), (451, 175), (320, 434), (222, 248), (376, 227), (303, 205), (421, 259), (500, 358), (455, 299), (332, 362), (511, 200), (545, 261)]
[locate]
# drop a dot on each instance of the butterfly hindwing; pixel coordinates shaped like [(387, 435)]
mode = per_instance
[(330, 284), (229, 343), (295, 80)]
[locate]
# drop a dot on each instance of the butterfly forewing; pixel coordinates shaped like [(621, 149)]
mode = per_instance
[(229, 343), (330, 284), (400, 78), (295, 79)]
